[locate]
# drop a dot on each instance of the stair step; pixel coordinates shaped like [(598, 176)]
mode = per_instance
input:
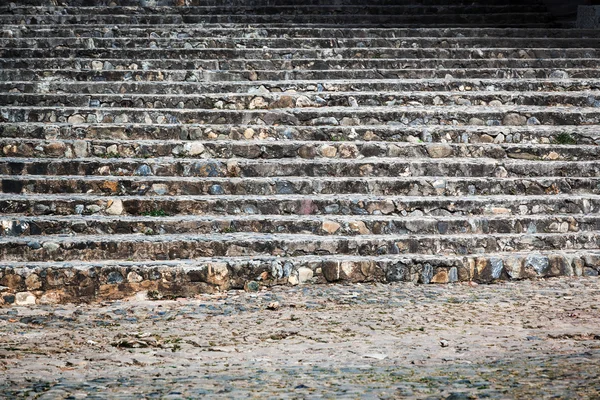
[(301, 31), (18, 225), (140, 247), (253, 75), (289, 149), (302, 53), (311, 116), (566, 134), (86, 280), (365, 167), (293, 43), (178, 186), (269, 9), (338, 204), (498, 19), (95, 64), (271, 100), (316, 87), (260, 3)]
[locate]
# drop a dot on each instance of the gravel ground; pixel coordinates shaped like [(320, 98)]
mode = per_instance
[(530, 339)]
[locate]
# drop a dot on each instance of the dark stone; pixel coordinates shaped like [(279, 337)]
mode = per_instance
[(9, 298), (11, 186), (216, 190), (114, 277), (34, 245)]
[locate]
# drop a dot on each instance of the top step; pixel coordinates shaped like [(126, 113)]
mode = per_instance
[(183, 3)]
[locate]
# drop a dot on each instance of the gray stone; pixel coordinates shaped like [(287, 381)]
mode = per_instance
[(497, 266), (427, 273), (216, 190), (453, 275), (143, 170), (538, 262)]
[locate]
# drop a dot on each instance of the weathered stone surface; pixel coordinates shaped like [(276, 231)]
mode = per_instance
[(245, 150)]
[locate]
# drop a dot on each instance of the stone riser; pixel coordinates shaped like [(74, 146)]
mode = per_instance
[(500, 19), (397, 115), (583, 135), (330, 225), (339, 204), (310, 99), (315, 64), (309, 86), (266, 31), (367, 167), (88, 281), (307, 150), (214, 3), (179, 186), (260, 75), (173, 247), (294, 53), (285, 9), (290, 43)]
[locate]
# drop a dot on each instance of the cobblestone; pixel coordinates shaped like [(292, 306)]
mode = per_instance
[(528, 339)]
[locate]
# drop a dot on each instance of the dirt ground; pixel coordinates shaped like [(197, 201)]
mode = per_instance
[(519, 340)]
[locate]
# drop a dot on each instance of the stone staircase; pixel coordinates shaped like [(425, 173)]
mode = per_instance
[(179, 148)]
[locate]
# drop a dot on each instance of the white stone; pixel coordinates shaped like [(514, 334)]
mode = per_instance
[(115, 207), (25, 299), (193, 148), (304, 274)]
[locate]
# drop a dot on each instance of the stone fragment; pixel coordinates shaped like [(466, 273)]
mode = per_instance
[(143, 170), (303, 101), (76, 119), (439, 150), (539, 263), (330, 226), (304, 275), (114, 207), (25, 299), (249, 133), (33, 282), (258, 103), (558, 74), (328, 151), (348, 150), (251, 286), (193, 148), (51, 246), (440, 277), (514, 119), (359, 226)]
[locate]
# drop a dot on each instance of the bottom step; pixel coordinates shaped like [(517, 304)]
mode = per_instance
[(28, 283)]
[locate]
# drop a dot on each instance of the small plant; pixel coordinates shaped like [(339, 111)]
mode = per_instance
[(150, 232), (110, 155), (564, 138), (155, 213)]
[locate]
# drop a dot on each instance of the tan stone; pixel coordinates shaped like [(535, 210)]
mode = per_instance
[(33, 282), (440, 277), (114, 207), (328, 151), (111, 186), (249, 133), (217, 274), (439, 150), (330, 226), (360, 227)]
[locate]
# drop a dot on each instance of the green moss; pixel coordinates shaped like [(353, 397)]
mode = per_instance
[(564, 138)]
